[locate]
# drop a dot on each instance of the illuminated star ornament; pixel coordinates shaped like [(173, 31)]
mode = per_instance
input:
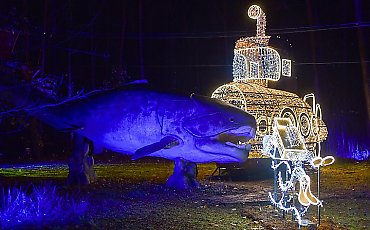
[(290, 129)]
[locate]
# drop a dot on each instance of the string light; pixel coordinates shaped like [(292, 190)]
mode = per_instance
[(266, 103), (286, 67), (253, 60), (289, 129), (239, 67), (286, 147), (255, 64), (262, 63)]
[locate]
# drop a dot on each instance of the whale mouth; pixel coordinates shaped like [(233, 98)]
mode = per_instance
[(240, 145), (240, 142), (238, 138)]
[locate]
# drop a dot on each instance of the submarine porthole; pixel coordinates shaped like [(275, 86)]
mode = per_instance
[(262, 126), (288, 113), (305, 126)]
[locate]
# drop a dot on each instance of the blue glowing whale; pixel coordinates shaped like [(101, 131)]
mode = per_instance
[(149, 123)]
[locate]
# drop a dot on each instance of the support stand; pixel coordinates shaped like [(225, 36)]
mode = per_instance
[(81, 171), (184, 175)]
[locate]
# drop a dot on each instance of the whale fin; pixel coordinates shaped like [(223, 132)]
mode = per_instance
[(165, 143)]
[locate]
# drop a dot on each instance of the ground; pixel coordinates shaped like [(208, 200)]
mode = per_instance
[(132, 195)]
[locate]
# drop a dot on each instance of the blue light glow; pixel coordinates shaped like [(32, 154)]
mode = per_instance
[(349, 147), (37, 206)]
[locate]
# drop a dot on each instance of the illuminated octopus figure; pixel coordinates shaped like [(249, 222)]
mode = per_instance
[(289, 129)]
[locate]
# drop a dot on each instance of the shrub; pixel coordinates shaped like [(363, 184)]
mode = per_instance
[(38, 206)]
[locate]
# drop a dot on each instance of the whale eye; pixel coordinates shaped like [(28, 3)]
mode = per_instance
[(231, 119)]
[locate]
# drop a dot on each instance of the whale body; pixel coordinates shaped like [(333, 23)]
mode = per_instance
[(150, 123)]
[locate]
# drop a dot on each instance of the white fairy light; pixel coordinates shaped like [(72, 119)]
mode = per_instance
[(254, 65), (254, 70), (286, 202), (288, 141), (239, 67), (289, 130), (255, 12), (297, 213), (262, 62), (265, 104), (286, 147), (286, 69)]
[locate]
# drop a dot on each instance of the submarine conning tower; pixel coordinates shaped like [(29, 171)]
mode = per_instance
[(254, 61)]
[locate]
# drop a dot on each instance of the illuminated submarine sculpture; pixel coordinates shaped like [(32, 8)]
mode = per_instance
[(289, 129), (255, 63)]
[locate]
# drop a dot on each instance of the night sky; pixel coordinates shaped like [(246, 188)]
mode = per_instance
[(187, 46)]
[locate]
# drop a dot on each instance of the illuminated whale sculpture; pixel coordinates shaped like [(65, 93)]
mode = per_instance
[(141, 123)]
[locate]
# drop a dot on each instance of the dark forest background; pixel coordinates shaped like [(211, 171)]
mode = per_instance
[(187, 46)]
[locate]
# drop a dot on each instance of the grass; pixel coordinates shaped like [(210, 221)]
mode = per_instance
[(348, 204), (35, 170), (131, 171), (132, 195)]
